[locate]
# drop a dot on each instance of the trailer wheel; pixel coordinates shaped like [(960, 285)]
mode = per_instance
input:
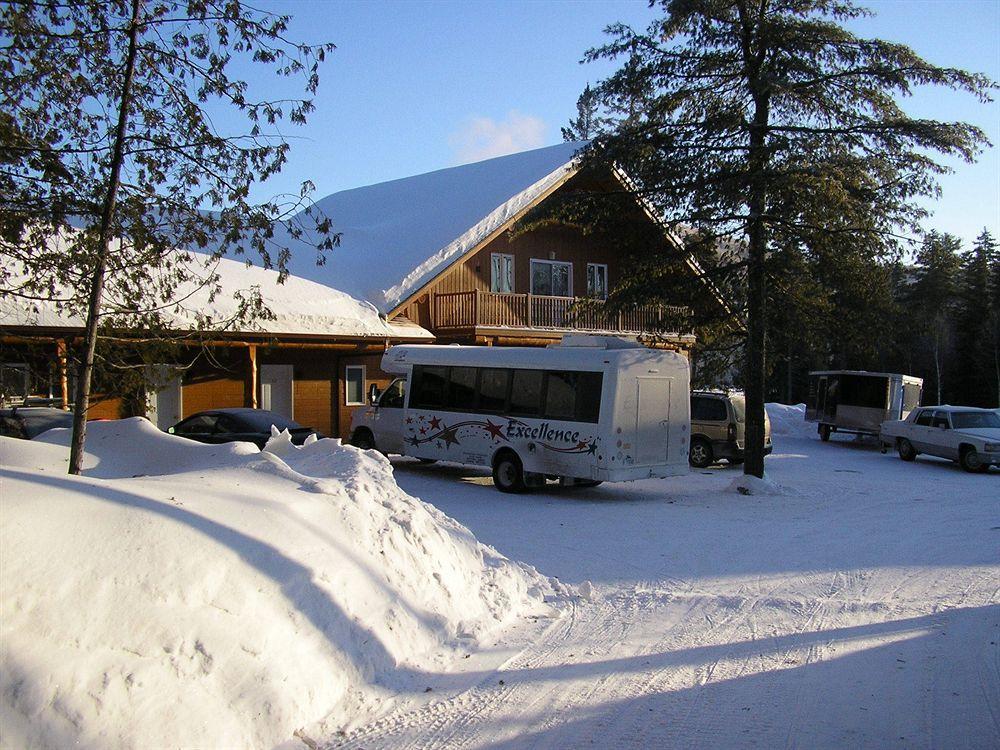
[(700, 454), (971, 461), (363, 439), (508, 472), (906, 450), (824, 432)]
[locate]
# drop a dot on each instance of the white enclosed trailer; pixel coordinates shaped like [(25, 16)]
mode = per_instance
[(858, 401), (588, 410)]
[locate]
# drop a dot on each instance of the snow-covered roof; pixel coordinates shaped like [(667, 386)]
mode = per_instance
[(300, 307), (396, 236)]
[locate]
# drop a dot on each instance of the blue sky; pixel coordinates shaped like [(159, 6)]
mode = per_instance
[(416, 86)]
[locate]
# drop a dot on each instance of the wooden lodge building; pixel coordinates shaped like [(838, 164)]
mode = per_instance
[(435, 257)]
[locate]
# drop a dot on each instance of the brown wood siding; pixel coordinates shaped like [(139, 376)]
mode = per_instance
[(554, 242), (105, 408), (373, 374), (207, 392), (313, 400)]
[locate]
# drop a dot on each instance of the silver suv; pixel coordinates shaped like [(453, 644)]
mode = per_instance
[(718, 428)]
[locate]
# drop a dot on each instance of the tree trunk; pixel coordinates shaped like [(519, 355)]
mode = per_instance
[(756, 283), (104, 243)]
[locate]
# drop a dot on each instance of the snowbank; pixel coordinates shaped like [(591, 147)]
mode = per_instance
[(789, 420), (230, 597)]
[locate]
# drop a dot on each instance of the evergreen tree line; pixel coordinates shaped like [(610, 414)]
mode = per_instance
[(936, 316)]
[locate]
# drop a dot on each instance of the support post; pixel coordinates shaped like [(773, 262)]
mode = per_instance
[(252, 354), (63, 375)]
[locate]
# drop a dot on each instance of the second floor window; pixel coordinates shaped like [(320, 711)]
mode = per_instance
[(551, 278), (597, 280), (501, 273)]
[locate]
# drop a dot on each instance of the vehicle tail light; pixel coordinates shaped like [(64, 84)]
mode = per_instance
[(732, 433)]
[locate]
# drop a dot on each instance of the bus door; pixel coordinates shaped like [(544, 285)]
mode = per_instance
[(652, 421)]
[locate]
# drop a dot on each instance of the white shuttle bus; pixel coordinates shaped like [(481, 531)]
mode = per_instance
[(588, 410)]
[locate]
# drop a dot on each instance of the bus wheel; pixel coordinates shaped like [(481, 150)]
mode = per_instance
[(508, 473), (363, 439)]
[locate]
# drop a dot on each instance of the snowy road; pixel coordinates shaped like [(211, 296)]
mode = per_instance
[(858, 608)]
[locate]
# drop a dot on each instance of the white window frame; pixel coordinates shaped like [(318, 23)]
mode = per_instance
[(347, 380), (598, 265), (509, 259), (531, 274)]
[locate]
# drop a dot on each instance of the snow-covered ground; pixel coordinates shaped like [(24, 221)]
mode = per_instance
[(187, 595), (852, 600)]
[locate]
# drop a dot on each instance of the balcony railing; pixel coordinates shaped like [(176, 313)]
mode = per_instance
[(477, 308)]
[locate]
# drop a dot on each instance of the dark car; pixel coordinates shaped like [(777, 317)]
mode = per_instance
[(238, 425), (28, 422)]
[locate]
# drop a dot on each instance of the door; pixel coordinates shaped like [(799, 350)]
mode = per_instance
[(821, 399), (652, 421), (387, 422), (164, 402), (276, 389)]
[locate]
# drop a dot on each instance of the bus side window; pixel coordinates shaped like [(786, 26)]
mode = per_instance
[(560, 395), (429, 384), (526, 393), (462, 389), (588, 396), (493, 390)]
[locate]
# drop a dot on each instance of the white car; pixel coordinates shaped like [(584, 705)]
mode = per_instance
[(962, 433)]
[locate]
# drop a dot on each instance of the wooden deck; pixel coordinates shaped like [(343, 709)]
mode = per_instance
[(471, 310)]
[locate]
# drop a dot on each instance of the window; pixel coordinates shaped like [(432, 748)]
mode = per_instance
[(429, 387), (493, 389), (462, 389), (526, 392), (941, 420), (354, 385), (597, 280), (560, 395), (708, 409), (868, 391), (394, 394), (501, 273), (924, 418), (574, 396), (203, 424), (551, 278), (14, 382)]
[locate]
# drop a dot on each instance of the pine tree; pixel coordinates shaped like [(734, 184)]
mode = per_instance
[(114, 167), (987, 260), (588, 121), (933, 297), (771, 124)]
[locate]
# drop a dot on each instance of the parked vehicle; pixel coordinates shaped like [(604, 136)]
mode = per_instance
[(238, 425), (718, 428), (962, 433), (28, 422), (591, 409), (858, 402)]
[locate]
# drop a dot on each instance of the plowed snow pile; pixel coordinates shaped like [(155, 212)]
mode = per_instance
[(188, 595), (789, 421)]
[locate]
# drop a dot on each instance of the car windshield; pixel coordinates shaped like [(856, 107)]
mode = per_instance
[(966, 419), (261, 421), (740, 407)]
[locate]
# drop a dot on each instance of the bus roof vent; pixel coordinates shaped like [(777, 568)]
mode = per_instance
[(599, 342)]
